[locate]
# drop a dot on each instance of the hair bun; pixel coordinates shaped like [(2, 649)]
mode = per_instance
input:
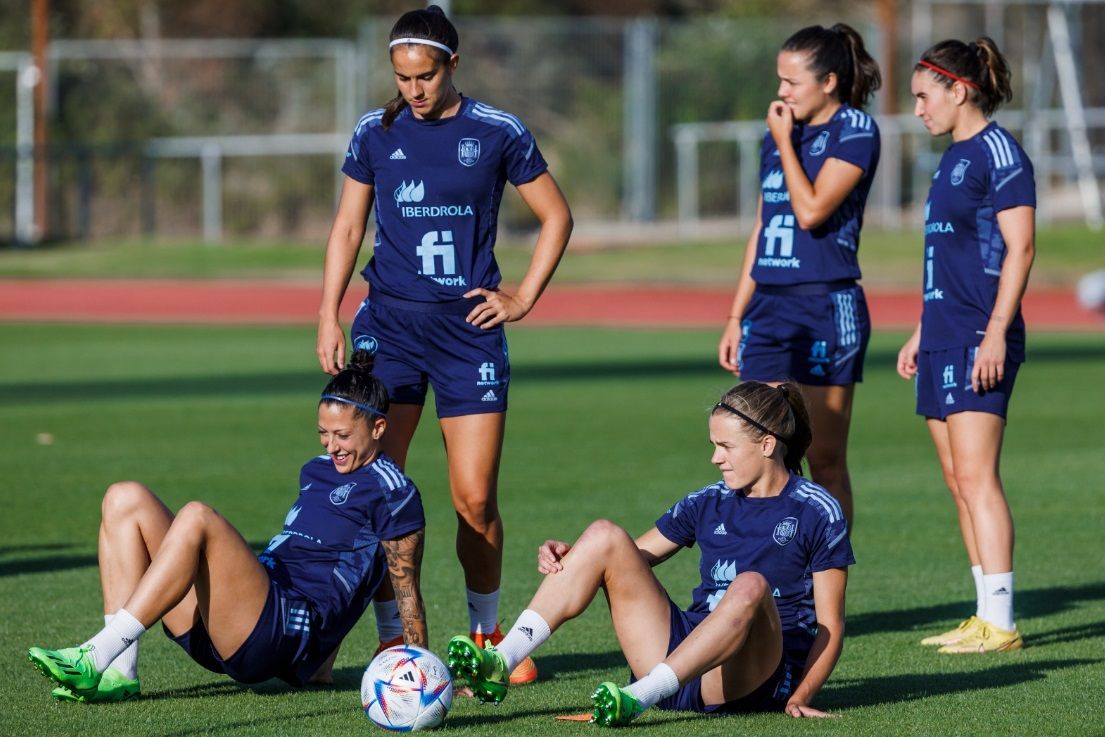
[(435, 9), (362, 361)]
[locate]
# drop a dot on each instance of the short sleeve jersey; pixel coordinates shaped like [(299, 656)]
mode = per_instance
[(786, 538), (329, 550), (438, 185), (785, 253), (964, 249)]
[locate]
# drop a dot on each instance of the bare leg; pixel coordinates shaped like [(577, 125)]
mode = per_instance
[(473, 446), (133, 525), (939, 432), (975, 440), (231, 585), (830, 409)]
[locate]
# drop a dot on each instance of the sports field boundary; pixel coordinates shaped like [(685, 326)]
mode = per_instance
[(284, 302)]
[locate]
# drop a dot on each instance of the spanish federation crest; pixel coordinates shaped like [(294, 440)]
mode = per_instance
[(819, 144), (341, 493), (785, 531), (468, 151), (959, 172)]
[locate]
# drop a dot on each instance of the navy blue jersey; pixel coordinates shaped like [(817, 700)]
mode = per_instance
[(329, 550), (438, 186), (964, 249), (786, 538), (787, 254)]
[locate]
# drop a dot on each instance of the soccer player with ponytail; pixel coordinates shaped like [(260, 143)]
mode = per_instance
[(799, 312), (766, 624), (434, 163), (980, 240)]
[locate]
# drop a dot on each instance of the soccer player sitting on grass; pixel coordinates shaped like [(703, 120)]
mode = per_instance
[(766, 625), (282, 614)]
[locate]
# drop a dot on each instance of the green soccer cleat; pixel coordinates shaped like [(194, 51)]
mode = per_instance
[(614, 707), (483, 668), (71, 667), (112, 688)]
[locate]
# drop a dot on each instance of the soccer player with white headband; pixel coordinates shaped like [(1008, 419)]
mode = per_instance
[(434, 164)]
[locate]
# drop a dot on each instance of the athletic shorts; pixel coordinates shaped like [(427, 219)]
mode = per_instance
[(944, 385), (419, 344), (771, 695), (279, 640), (815, 334)]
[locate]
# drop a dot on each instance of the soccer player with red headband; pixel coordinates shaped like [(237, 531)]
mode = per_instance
[(979, 245)]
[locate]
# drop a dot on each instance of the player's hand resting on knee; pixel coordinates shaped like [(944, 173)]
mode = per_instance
[(549, 555)]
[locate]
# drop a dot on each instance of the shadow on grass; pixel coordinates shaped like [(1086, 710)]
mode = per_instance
[(56, 563), (304, 382), (1040, 602), (880, 690)]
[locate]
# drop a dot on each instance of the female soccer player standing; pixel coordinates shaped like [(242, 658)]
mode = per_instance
[(979, 244), (798, 311), (435, 312), (766, 624)]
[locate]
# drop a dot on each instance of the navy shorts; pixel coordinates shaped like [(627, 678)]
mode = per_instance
[(771, 695), (944, 385), (280, 639), (421, 344), (815, 334)]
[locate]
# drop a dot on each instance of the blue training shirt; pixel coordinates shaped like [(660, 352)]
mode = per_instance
[(786, 538), (787, 254), (329, 551), (964, 248), (438, 185)]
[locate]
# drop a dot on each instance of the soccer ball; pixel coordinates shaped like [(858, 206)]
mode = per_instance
[(1091, 291), (406, 688)]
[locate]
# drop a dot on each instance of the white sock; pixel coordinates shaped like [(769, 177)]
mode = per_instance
[(659, 684), (127, 662), (999, 599), (483, 611), (123, 631), (388, 624), (980, 592), (528, 633)]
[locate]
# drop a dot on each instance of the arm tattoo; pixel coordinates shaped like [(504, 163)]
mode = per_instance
[(405, 564)]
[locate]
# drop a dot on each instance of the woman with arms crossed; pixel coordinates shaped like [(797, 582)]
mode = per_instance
[(798, 312), (435, 163), (980, 234), (282, 614), (766, 625)]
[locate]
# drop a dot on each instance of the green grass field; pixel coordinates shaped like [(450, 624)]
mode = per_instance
[(890, 258), (602, 423)]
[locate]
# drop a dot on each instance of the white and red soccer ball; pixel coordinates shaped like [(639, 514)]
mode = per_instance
[(405, 689)]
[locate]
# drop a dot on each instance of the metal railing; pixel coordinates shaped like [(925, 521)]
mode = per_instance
[(907, 148)]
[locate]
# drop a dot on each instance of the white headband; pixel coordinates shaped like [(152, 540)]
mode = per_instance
[(423, 41)]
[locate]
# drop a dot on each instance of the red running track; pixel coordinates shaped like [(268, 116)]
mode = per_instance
[(296, 303)]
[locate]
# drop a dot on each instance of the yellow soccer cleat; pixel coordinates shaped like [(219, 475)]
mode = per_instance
[(986, 639), (523, 673), (964, 629)]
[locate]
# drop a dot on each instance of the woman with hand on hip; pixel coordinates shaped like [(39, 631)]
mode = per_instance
[(435, 163)]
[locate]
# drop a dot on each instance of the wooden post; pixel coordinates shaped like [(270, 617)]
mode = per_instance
[(888, 23)]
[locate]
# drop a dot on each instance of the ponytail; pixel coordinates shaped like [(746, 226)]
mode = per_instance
[(839, 50), (979, 65), (425, 24), (777, 411)]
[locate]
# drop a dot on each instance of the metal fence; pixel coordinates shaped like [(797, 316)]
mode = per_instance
[(232, 138)]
